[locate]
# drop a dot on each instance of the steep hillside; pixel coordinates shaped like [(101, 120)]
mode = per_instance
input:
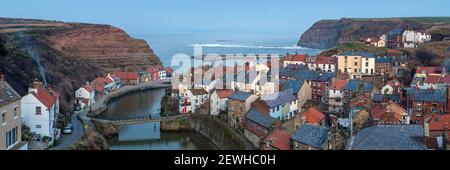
[(326, 34), (66, 55)]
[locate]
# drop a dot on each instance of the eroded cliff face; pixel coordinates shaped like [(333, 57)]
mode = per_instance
[(66, 55), (107, 47), (326, 34)]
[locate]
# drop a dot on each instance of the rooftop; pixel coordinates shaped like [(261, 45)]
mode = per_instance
[(390, 137), (279, 98), (364, 54), (260, 118), (7, 94), (312, 135), (239, 95), (279, 139)]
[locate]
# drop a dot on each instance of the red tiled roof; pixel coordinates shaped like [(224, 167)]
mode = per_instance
[(429, 70), (127, 75), (279, 139), (88, 88), (224, 93), (394, 83), (297, 57), (445, 79), (392, 112), (313, 115), (439, 122), (325, 60), (355, 102), (433, 79), (44, 97), (338, 84)]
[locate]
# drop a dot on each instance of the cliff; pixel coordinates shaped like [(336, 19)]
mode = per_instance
[(66, 55), (326, 34)]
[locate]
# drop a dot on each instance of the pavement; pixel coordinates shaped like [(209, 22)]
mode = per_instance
[(68, 139)]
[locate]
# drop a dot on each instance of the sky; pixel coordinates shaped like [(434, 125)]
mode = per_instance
[(176, 16)]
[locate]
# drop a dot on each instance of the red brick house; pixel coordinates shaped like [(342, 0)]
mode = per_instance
[(426, 102), (437, 126)]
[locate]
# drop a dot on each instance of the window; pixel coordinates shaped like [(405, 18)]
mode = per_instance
[(251, 124), (356, 70), (345, 70), (11, 137), (15, 111), (367, 70), (258, 128), (356, 63), (367, 64), (38, 126), (3, 118), (38, 111), (265, 131), (419, 106)]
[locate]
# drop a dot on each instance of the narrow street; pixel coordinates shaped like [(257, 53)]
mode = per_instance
[(68, 139)]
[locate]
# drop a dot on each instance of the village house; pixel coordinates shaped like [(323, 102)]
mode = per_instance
[(277, 140), (282, 105), (258, 126), (85, 96), (169, 71), (389, 114), (356, 64), (392, 87), (103, 86), (355, 88), (301, 89), (311, 116), (144, 76), (361, 101), (39, 110), (411, 39), (382, 41), (436, 129), (127, 78), (239, 104), (336, 96), (310, 137), (384, 65), (297, 59), (319, 82), (246, 81), (321, 63), (196, 97), (395, 39), (10, 123), (425, 102), (389, 137), (219, 100)]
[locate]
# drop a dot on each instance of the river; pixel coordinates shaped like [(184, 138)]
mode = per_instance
[(147, 136)]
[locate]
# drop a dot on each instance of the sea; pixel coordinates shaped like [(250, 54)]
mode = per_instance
[(167, 45)]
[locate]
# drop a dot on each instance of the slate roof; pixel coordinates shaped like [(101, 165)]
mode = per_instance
[(384, 59), (312, 135), (390, 137), (380, 98), (279, 98), (364, 54), (430, 96), (260, 118), (294, 85), (397, 31), (239, 95), (353, 85), (310, 75), (7, 94)]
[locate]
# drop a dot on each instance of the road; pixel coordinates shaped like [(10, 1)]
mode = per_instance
[(68, 139)]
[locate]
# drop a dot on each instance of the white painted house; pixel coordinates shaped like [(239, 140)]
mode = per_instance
[(196, 97), (246, 81), (411, 38), (162, 75), (219, 100), (85, 96), (39, 109)]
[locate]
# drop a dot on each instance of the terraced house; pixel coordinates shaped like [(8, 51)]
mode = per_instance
[(356, 64), (10, 123), (239, 104)]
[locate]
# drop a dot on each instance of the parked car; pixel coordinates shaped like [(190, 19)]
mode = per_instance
[(67, 130)]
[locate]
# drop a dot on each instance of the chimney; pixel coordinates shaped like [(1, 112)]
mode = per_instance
[(37, 84)]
